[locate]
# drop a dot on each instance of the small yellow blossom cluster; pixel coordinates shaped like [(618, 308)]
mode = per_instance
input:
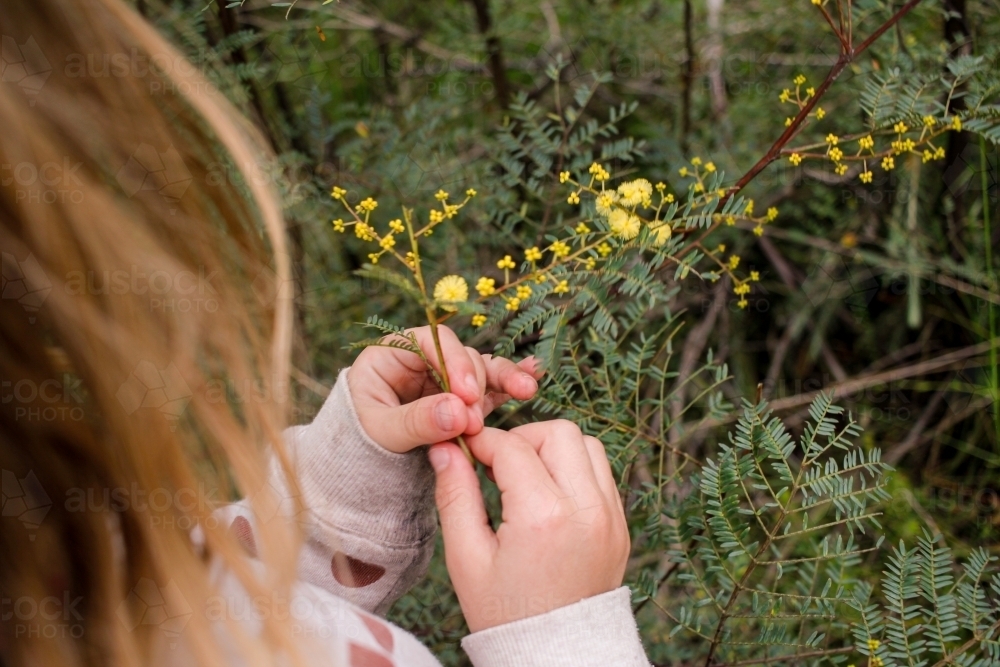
[(760, 221), (800, 97), (700, 172), (874, 660), (365, 230), (448, 291), (622, 214), (559, 250), (905, 140), (741, 286)]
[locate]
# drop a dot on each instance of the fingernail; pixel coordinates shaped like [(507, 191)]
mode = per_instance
[(444, 416), (530, 382), (440, 458)]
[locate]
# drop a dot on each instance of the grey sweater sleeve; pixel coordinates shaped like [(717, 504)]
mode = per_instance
[(596, 632), (370, 520)]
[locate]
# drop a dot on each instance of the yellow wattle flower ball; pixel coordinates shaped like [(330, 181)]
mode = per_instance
[(451, 290), (605, 202), (662, 234), (635, 192), (624, 224), (478, 320)]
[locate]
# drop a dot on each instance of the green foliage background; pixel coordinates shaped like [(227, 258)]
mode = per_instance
[(764, 531)]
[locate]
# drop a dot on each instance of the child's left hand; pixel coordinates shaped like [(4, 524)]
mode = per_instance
[(401, 407)]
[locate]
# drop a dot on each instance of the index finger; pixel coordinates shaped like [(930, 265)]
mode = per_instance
[(461, 371), (562, 450), (513, 460)]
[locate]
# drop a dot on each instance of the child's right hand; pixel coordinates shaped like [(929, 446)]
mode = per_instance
[(563, 537)]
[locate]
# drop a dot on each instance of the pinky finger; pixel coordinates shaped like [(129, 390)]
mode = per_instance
[(602, 468)]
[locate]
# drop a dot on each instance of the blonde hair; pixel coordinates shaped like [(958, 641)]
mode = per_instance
[(123, 164)]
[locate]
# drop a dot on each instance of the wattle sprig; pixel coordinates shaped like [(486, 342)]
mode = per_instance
[(903, 139)]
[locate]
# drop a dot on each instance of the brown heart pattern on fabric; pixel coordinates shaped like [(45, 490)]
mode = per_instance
[(241, 530), (365, 657), (354, 573), (379, 630)]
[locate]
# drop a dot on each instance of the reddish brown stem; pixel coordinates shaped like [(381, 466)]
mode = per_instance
[(846, 57)]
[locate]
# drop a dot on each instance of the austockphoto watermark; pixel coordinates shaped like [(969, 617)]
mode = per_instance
[(149, 170), (163, 607), (151, 389), (294, 62), (166, 507), (166, 73), (183, 291), (278, 607), (888, 394), (51, 182), (47, 617), (499, 607), (149, 604), (978, 502), (24, 498), (47, 400)]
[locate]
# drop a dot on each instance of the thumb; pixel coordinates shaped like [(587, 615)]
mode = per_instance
[(465, 527), (430, 419)]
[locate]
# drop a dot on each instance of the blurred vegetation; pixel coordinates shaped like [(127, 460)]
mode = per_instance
[(882, 295)]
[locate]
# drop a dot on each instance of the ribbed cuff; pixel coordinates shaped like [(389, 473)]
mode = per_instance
[(354, 484), (595, 632)]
